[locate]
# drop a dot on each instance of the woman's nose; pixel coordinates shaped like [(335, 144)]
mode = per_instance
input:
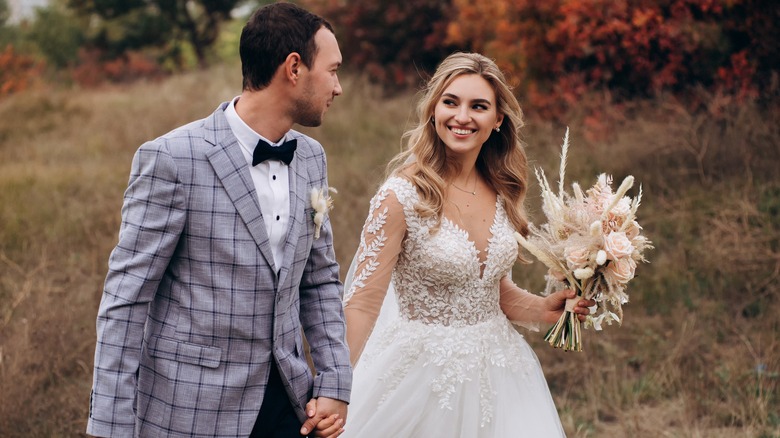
[(462, 115)]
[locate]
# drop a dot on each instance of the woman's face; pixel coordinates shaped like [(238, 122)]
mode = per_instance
[(466, 114)]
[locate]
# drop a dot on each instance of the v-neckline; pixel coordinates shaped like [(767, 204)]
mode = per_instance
[(481, 265)]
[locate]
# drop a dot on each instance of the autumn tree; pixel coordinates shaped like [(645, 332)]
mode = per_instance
[(18, 72), (563, 49)]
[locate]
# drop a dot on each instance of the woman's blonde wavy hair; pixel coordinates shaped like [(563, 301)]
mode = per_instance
[(501, 162)]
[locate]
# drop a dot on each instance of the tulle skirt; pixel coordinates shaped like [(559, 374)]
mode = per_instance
[(477, 381)]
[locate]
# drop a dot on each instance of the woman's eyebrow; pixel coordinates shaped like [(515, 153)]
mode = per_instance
[(478, 100)]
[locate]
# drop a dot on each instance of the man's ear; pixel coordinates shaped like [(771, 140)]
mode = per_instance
[(292, 66)]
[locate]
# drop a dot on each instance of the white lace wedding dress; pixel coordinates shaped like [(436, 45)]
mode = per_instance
[(449, 364)]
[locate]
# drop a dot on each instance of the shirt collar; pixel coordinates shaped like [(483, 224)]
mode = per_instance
[(247, 137)]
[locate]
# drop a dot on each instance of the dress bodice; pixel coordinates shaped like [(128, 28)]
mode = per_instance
[(439, 277)]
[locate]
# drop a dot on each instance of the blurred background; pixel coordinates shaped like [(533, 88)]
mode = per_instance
[(682, 94)]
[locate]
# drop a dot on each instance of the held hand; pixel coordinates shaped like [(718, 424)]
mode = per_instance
[(327, 417), (555, 304), (330, 427)]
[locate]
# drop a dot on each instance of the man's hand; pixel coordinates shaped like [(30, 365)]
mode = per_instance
[(327, 417), (555, 304)]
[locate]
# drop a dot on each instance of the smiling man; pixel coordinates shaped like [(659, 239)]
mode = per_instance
[(217, 271)]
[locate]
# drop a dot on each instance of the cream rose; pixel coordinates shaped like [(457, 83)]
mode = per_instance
[(576, 257), (620, 271), (617, 245), (632, 230)]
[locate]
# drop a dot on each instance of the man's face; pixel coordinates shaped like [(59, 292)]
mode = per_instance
[(320, 81)]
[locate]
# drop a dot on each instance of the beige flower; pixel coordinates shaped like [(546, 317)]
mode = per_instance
[(583, 273), (601, 257), (620, 271), (322, 203), (576, 256), (605, 316), (632, 230), (617, 245), (622, 208), (595, 228)]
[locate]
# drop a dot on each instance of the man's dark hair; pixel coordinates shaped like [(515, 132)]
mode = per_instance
[(271, 34)]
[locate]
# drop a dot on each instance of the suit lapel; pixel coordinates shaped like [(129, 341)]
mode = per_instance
[(298, 177), (232, 170)]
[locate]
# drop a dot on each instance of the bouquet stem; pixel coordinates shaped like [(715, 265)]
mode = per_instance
[(566, 333)]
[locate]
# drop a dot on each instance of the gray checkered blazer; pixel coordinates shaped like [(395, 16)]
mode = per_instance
[(193, 311)]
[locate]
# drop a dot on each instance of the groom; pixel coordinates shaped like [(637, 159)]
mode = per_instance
[(217, 271)]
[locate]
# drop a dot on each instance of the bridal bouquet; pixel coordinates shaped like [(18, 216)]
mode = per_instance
[(591, 242)]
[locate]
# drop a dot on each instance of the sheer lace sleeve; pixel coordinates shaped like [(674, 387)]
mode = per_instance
[(380, 245), (520, 306)]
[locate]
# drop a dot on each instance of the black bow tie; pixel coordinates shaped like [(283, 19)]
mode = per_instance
[(264, 151)]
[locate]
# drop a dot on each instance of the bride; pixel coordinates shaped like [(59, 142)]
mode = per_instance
[(443, 359)]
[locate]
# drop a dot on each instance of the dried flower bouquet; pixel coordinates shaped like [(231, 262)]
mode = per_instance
[(591, 242)]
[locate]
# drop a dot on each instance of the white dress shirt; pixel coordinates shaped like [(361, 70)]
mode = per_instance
[(271, 183)]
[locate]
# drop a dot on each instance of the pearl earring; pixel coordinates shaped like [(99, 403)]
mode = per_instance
[(498, 129)]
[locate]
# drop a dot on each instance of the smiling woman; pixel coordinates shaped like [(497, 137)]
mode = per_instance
[(449, 363), (466, 114)]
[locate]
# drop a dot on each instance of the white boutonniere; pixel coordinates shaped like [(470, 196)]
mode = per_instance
[(322, 203)]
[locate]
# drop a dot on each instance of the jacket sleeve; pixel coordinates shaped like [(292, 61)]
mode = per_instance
[(153, 217), (322, 315), (380, 245)]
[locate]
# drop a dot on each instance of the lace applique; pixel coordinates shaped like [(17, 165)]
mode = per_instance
[(373, 227)]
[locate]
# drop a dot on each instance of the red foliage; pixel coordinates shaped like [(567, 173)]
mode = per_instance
[(18, 72), (92, 70), (564, 50), (391, 42), (738, 76), (565, 54)]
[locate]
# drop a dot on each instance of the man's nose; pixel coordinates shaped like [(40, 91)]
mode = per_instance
[(337, 91)]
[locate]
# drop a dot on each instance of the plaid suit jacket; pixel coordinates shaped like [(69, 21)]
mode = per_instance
[(193, 311)]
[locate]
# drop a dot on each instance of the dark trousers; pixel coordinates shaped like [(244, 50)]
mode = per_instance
[(277, 417)]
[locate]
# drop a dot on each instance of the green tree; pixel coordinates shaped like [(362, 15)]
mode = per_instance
[(122, 25), (11, 34), (57, 35), (5, 12)]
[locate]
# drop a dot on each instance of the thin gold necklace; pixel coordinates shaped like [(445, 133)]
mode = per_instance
[(466, 191), (470, 192)]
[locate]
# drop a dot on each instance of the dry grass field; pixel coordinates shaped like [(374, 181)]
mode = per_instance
[(697, 356)]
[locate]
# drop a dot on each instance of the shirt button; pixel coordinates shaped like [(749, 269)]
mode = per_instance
[(274, 177), (277, 217)]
